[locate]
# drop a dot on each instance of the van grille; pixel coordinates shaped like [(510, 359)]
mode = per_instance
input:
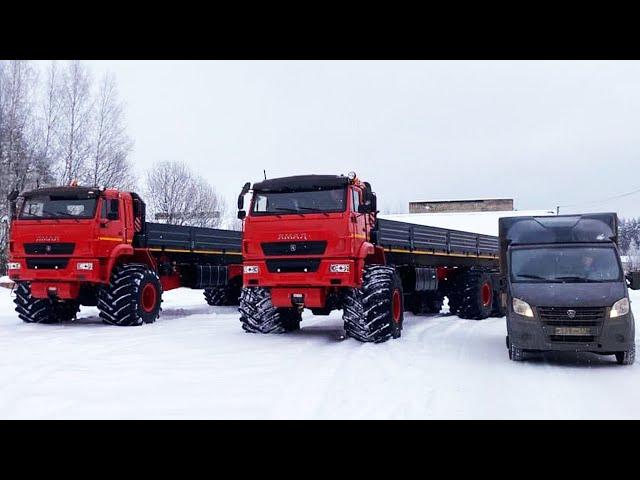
[(561, 314)]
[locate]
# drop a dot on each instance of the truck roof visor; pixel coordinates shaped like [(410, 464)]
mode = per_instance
[(597, 227), (301, 183)]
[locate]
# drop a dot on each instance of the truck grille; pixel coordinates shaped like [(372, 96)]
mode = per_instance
[(291, 266), (47, 263), (294, 248), (49, 248)]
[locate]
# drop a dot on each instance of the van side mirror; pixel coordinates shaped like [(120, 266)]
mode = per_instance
[(634, 280)]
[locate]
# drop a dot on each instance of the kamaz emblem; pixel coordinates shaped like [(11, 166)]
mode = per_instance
[(47, 239), (292, 247), (292, 236), (571, 313)]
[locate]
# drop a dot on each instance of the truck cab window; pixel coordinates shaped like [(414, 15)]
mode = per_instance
[(356, 199), (109, 206)]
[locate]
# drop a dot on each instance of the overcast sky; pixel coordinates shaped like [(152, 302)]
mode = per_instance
[(545, 133)]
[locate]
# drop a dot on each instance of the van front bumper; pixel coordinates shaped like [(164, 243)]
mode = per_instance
[(610, 335)]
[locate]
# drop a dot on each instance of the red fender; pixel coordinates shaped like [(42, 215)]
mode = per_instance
[(119, 251)]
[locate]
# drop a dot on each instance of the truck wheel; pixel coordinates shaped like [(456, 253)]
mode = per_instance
[(627, 357), (258, 315), (426, 302), (471, 295), (132, 298), (223, 296), (42, 310), (497, 310), (516, 354), (374, 312)]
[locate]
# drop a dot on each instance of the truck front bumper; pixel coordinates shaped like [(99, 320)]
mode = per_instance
[(611, 335)]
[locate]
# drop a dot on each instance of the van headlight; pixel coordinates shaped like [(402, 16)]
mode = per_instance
[(522, 308), (620, 308)]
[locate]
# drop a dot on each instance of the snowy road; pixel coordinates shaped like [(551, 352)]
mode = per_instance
[(196, 362)]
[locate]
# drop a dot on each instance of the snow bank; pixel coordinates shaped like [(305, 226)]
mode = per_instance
[(476, 222), (196, 362)]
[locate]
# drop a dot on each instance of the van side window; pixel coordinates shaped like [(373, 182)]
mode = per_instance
[(356, 199)]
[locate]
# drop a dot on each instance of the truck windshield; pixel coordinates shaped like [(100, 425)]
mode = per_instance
[(310, 201), (565, 264), (48, 206)]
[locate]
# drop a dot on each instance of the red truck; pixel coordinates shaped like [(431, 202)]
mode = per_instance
[(72, 246), (315, 241)]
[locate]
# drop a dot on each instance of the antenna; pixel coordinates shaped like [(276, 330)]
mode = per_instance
[(265, 174)]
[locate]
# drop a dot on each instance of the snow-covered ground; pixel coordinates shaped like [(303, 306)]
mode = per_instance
[(196, 362)]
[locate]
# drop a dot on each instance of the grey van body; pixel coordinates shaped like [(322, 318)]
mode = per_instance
[(567, 271)]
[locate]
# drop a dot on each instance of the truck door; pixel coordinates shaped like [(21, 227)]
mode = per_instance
[(358, 220), (111, 221)]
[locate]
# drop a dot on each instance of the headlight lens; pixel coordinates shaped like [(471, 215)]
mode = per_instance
[(522, 308), (85, 266), (339, 268), (13, 266), (621, 307), (250, 269)]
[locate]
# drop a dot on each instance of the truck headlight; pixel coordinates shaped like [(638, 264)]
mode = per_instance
[(339, 268), (621, 307), (522, 308), (84, 266), (250, 269), (13, 266)]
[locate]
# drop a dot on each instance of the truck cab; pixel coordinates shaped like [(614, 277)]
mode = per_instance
[(305, 237), (63, 237), (565, 286)]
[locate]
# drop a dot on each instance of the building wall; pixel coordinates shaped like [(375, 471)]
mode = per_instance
[(487, 205)]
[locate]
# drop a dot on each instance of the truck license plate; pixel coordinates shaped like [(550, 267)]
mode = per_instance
[(572, 331)]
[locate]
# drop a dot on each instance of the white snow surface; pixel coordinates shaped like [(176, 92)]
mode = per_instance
[(196, 362), (476, 222)]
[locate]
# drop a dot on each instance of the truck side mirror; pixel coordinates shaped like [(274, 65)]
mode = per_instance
[(244, 191), (241, 214), (634, 280)]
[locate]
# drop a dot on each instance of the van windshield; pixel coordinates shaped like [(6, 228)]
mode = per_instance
[(565, 265), (53, 206), (300, 202)]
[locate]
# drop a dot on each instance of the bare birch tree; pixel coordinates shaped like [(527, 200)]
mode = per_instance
[(75, 121), (109, 162), (176, 196)]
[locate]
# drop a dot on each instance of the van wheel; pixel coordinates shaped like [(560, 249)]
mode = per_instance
[(627, 357), (516, 354)]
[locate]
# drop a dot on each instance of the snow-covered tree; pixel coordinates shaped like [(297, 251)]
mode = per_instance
[(175, 195)]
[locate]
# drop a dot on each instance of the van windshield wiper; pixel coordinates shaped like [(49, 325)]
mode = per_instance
[(535, 277), (574, 278)]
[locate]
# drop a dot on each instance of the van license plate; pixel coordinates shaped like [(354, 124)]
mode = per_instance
[(573, 331)]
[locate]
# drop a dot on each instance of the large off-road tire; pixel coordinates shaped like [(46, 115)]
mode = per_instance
[(222, 296), (628, 357), (42, 310), (132, 298), (375, 311), (258, 315), (471, 295), (426, 302)]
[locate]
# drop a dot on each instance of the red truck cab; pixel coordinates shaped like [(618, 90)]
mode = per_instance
[(305, 238)]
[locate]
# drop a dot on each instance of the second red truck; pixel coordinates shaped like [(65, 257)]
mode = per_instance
[(316, 242)]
